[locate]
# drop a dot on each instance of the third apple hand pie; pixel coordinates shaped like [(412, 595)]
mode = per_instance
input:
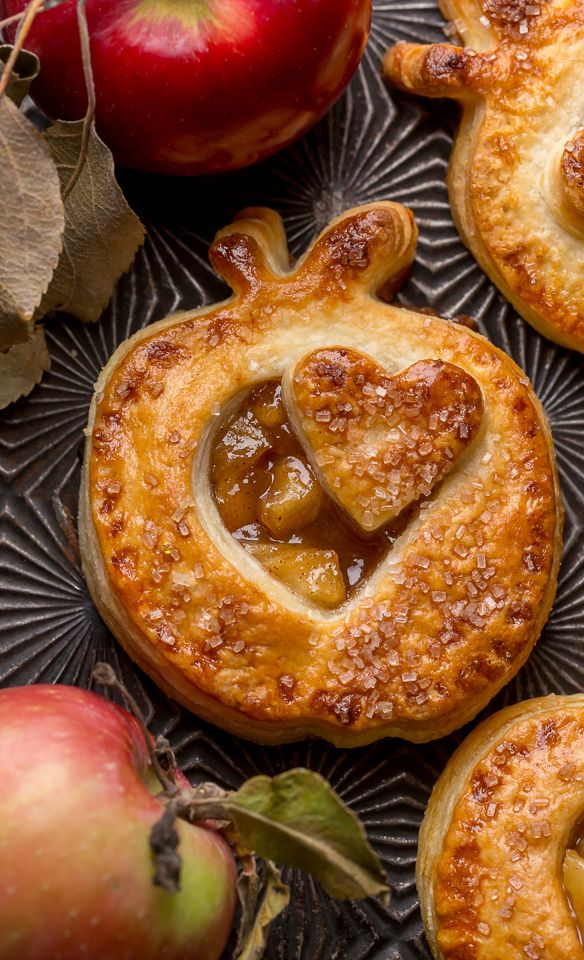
[(500, 871), (516, 178), (306, 512)]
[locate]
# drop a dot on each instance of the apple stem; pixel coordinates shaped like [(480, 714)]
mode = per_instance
[(164, 841), (191, 806), (206, 802), (161, 756), (90, 88)]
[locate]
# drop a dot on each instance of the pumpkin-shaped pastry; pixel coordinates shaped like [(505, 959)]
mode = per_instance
[(500, 871), (516, 178), (307, 512)]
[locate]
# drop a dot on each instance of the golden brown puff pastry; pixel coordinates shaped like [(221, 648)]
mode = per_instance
[(495, 867), (516, 177), (436, 424)]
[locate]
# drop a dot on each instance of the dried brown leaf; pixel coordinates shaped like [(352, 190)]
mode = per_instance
[(25, 70), (276, 899), (22, 366), (248, 891), (102, 233), (32, 223)]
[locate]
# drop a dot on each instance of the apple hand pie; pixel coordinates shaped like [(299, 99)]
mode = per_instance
[(516, 177), (306, 512), (500, 870)]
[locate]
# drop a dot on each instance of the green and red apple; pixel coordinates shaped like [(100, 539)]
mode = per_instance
[(77, 805), (88, 834)]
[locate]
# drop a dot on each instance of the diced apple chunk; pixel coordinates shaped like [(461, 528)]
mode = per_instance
[(574, 883), (241, 447), (293, 499), (267, 406), (237, 502), (314, 574)]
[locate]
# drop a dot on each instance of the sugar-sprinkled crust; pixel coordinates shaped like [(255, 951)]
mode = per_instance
[(452, 611), (516, 177), (491, 847)]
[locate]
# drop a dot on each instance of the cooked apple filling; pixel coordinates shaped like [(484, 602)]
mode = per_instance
[(272, 503), (573, 865)]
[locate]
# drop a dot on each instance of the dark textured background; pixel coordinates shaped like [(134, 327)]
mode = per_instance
[(373, 145)]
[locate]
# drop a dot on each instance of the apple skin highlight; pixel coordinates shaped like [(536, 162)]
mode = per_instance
[(198, 86), (76, 809)]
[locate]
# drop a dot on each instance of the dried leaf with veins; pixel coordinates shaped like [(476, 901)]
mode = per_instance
[(102, 234), (32, 223), (22, 366), (276, 899)]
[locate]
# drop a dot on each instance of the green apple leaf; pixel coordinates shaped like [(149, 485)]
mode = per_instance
[(22, 366), (24, 71), (276, 898), (298, 820), (102, 233), (32, 223)]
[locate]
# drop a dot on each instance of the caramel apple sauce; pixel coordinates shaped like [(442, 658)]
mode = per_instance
[(272, 503)]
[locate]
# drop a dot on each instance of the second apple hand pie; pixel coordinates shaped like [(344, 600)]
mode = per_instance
[(516, 176), (307, 512)]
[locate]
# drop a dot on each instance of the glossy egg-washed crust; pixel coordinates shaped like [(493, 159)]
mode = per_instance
[(356, 422), (448, 616), (492, 844), (516, 177)]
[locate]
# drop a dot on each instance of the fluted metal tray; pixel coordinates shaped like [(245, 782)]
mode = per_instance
[(373, 145)]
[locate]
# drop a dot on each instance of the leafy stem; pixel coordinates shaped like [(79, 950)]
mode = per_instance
[(294, 818)]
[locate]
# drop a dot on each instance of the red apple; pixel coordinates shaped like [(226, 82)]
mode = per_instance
[(76, 808), (198, 86)]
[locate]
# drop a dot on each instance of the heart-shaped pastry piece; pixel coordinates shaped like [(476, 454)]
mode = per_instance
[(380, 442)]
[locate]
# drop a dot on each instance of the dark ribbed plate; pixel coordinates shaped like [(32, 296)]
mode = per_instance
[(373, 145)]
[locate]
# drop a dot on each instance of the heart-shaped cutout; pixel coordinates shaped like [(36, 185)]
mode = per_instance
[(380, 442)]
